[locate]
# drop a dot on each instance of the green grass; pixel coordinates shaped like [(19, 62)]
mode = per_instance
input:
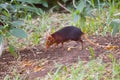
[(93, 70), (38, 28)]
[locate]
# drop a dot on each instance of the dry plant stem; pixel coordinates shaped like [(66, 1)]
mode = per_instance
[(74, 4), (1, 48), (63, 7)]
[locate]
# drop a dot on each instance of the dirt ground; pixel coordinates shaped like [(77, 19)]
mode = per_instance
[(36, 62)]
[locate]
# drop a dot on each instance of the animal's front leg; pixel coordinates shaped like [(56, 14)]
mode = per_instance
[(62, 44)]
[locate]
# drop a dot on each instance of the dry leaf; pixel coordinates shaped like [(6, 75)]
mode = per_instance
[(37, 68), (111, 47), (70, 48), (26, 63)]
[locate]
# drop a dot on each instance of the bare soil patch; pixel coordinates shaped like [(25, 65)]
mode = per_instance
[(36, 62)]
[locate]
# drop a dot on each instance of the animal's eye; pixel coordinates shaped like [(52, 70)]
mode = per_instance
[(48, 41)]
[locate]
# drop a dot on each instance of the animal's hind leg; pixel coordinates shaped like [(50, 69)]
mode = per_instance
[(56, 45), (81, 43)]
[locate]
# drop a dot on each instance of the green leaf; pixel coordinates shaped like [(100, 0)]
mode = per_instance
[(7, 77), (38, 11), (76, 18), (18, 23), (117, 14), (64, 1), (77, 12), (115, 24), (81, 6), (44, 3), (65, 68), (92, 3), (1, 39), (30, 1), (1, 27), (115, 30), (111, 57), (4, 6), (92, 52), (17, 32), (12, 50)]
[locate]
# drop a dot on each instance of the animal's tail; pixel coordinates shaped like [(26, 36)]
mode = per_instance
[(108, 47), (95, 44)]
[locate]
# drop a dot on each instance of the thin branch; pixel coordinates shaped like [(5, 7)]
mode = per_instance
[(63, 6), (74, 4)]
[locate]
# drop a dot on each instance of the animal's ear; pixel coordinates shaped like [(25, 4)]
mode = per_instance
[(51, 37), (47, 33)]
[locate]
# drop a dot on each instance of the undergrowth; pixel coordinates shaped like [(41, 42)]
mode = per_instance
[(92, 19), (39, 28), (93, 70)]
